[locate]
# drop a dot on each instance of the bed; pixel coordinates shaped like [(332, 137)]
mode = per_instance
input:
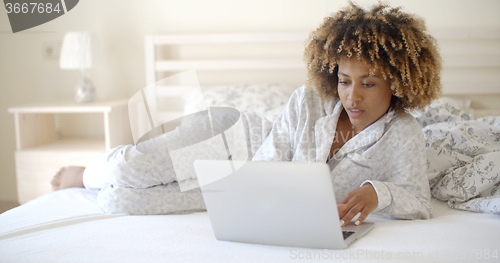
[(69, 226)]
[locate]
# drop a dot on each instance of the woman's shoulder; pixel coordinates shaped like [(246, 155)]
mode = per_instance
[(305, 104), (404, 124), (308, 97), (305, 92)]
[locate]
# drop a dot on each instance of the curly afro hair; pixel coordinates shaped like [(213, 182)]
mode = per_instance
[(387, 39)]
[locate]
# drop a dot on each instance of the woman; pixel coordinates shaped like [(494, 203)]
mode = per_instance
[(376, 156), (365, 70)]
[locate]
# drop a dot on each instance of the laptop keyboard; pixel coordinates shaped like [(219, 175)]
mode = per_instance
[(347, 234)]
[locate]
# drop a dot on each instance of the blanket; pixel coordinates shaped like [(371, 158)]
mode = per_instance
[(463, 157)]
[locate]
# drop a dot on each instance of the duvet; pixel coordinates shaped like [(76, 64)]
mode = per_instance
[(463, 157)]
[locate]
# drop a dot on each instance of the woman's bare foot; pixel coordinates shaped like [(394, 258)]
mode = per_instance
[(68, 176)]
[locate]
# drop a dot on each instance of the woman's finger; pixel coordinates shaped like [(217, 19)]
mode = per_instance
[(346, 210), (349, 204), (352, 213), (361, 218), (341, 208)]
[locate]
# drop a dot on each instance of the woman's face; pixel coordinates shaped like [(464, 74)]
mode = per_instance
[(365, 97)]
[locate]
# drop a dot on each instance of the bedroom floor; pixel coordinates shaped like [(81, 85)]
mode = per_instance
[(7, 205)]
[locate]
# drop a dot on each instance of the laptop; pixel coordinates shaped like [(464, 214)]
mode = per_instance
[(274, 203)]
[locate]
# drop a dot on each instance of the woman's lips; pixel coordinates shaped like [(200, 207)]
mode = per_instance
[(353, 112)]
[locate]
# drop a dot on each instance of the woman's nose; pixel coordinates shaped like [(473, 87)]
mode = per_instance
[(355, 93)]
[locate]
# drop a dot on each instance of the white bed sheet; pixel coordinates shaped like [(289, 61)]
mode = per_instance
[(68, 226)]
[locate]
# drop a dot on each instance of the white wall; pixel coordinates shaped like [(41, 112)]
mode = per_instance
[(25, 76)]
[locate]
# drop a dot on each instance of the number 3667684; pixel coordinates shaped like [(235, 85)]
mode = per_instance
[(32, 8)]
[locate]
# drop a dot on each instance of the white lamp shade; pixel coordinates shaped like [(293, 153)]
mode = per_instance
[(76, 51)]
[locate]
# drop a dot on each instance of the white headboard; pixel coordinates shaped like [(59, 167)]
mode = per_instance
[(471, 66), (233, 53)]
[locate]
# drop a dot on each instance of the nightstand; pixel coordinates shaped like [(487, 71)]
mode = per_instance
[(52, 135)]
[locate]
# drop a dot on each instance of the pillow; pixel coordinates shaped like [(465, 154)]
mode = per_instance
[(459, 103), (444, 109), (268, 99)]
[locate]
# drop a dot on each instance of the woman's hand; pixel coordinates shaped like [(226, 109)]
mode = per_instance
[(68, 176), (363, 199)]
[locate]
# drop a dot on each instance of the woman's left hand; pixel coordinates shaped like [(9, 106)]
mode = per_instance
[(361, 200)]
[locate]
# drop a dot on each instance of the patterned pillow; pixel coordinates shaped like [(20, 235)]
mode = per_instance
[(444, 109), (268, 99)]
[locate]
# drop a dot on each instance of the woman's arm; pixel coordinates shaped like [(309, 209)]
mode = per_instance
[(403, 190), (406, 194)]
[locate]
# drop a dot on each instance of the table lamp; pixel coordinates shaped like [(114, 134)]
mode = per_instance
[(76, 53)]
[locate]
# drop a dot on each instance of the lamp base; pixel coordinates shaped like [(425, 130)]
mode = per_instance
[(85, 91)]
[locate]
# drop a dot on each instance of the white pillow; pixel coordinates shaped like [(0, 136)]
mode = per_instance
[(268, 99)]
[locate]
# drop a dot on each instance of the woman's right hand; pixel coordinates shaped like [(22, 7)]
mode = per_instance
[(362, 200)]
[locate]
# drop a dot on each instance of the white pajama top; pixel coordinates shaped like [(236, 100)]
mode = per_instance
[(389, 154)]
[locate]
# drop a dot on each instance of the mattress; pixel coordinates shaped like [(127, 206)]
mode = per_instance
[(68, 226)]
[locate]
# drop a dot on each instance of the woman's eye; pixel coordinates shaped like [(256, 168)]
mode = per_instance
[(368, 84), (342, 82)]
